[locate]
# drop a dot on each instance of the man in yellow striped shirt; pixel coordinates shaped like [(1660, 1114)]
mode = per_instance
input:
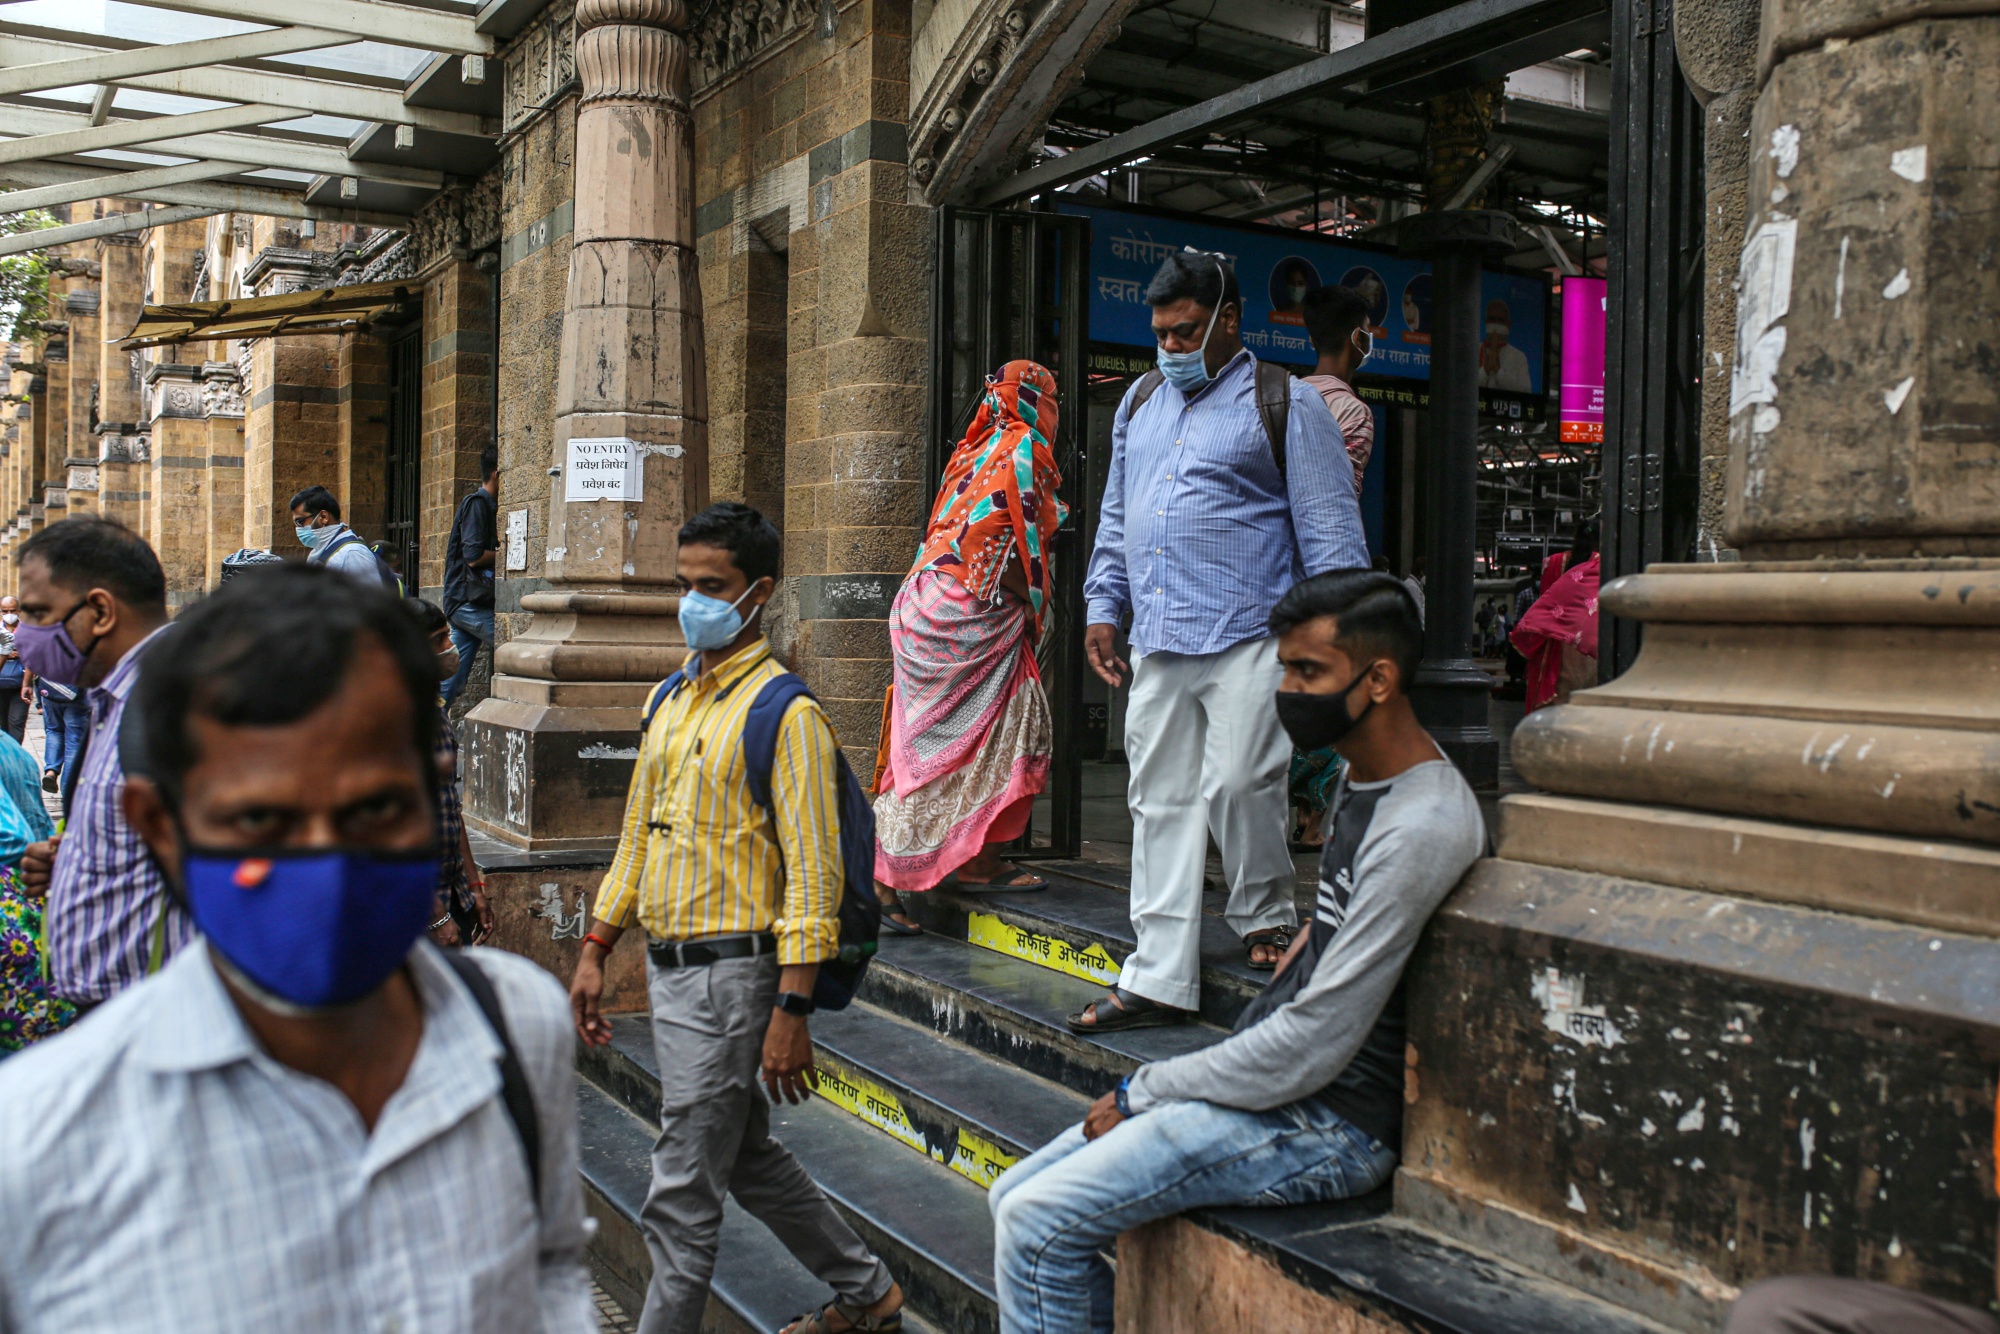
[(740, 904)]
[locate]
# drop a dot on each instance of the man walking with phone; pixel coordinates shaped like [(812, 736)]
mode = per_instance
[(1228, 483), (740, 905)]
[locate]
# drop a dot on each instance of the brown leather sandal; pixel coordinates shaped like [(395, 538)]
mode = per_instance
[(855, 1316)]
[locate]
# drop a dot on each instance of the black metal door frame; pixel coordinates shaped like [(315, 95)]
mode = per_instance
[(1652, 427), (1010, 285), (403, 454)]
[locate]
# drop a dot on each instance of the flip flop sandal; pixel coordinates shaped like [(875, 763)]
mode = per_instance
[(1128, 1010), (815, 1322), (1278, 938), (1034, 882), (890, 924)]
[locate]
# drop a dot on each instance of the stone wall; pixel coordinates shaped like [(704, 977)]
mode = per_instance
[(800, 151)]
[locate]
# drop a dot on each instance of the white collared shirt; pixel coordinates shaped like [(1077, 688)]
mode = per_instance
[(159, 1171)]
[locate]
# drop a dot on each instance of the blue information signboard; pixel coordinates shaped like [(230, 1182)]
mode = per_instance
[(1275, 270)]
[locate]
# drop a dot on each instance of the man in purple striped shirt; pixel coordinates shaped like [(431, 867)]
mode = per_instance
[(93, 601)]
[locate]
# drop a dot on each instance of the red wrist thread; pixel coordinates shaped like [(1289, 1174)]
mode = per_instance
[(599, 941)]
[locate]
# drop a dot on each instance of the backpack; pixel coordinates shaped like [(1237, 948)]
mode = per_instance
[(860, 912), (1274, 404), (383, 570)]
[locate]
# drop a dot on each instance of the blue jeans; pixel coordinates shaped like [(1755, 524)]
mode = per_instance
[(63, 724), (470, 627), (1058, 1208)]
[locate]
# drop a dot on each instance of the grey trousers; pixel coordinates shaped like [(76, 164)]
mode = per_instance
[(1810, 1304), (715, 1137)]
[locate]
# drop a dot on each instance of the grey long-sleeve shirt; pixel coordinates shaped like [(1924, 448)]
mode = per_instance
[(1379, 884)]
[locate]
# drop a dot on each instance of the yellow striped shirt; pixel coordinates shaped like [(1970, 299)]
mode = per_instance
[(698, 857)]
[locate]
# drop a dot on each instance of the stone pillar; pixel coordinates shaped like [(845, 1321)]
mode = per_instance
[(83, 339), (1452, 691), (222, 408), (359, 437), (176, 507), (121, 450), (1724, 1003), (458, 404), (550, 751)]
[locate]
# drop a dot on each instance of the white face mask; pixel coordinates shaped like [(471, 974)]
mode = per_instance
[(10, 620), (1498, 331), (1364, 343)]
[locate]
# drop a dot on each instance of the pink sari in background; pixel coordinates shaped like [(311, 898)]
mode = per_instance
[(968, 735), (1564, 616)]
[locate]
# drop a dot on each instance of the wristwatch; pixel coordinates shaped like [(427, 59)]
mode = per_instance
[(793, 1002)]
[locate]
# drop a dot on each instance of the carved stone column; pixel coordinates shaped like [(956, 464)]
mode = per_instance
[(1723, 1005), (551, 750)]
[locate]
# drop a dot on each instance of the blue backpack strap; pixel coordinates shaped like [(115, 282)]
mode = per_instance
[(659, 697), (760, 732)]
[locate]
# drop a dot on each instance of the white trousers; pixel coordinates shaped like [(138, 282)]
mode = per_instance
[(1208, 756)]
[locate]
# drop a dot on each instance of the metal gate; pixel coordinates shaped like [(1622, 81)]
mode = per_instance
[(1011, 285), (403, 458)]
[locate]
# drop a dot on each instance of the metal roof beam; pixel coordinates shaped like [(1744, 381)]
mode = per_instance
[(22, 242), (37, 66), (306, 95), (253, 150), (127, 133), (369, 20), (1415, 51), (127, 184), (271, 201)]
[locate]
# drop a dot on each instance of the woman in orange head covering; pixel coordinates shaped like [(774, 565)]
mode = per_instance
[(966, 730)]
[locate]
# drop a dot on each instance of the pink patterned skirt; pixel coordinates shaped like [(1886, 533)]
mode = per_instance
[(968, 731)]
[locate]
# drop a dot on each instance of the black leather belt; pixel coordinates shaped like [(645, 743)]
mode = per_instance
[(701, 953)]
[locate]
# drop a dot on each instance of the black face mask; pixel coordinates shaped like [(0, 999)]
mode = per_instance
[(1316, 721)]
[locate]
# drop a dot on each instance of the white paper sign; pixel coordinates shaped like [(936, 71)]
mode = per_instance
[(609, 468), (517, 539)]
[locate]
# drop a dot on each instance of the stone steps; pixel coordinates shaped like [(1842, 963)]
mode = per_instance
[(953, 1065)]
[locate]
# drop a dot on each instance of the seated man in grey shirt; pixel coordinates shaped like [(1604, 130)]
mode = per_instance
[(1303, 1102)]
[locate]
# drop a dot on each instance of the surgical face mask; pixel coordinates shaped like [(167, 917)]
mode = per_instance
[(1315, 721), (1297, 292), (309, 537), (311, 928), (447, 664), (1364, 343), (710, 623), (1188, 371), (9, 619), (1498, 331), (49, 652)]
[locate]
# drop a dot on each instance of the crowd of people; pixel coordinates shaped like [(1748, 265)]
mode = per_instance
[(289, 1094)]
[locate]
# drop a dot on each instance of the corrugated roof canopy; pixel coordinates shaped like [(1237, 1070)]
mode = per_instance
[(329, 310), (343, 110)]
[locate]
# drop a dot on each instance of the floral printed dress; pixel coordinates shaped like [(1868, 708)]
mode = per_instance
[(27, 1010)]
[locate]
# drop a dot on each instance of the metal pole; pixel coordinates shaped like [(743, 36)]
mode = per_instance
[(1451, 690)]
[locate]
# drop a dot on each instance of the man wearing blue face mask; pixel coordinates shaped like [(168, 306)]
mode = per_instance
[(1228, 483), (312, 1118), (739, 899)]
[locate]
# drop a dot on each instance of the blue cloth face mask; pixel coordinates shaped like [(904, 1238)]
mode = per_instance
[(710, 623), (313, 927), (1188, 371)]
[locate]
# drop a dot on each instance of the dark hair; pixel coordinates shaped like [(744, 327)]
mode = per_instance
[(1584, 545), (267, 649), (752, 543), (315, 499), (1376, 617), (1194, 273), (430, 617), (489, 462), (1332, 314), (90, 552)]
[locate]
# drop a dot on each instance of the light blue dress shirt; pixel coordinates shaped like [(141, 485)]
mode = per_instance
[(1198, 535), (162, 1172)]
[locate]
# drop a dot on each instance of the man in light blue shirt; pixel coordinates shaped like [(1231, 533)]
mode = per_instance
[(1206, 522), (316, 521)]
